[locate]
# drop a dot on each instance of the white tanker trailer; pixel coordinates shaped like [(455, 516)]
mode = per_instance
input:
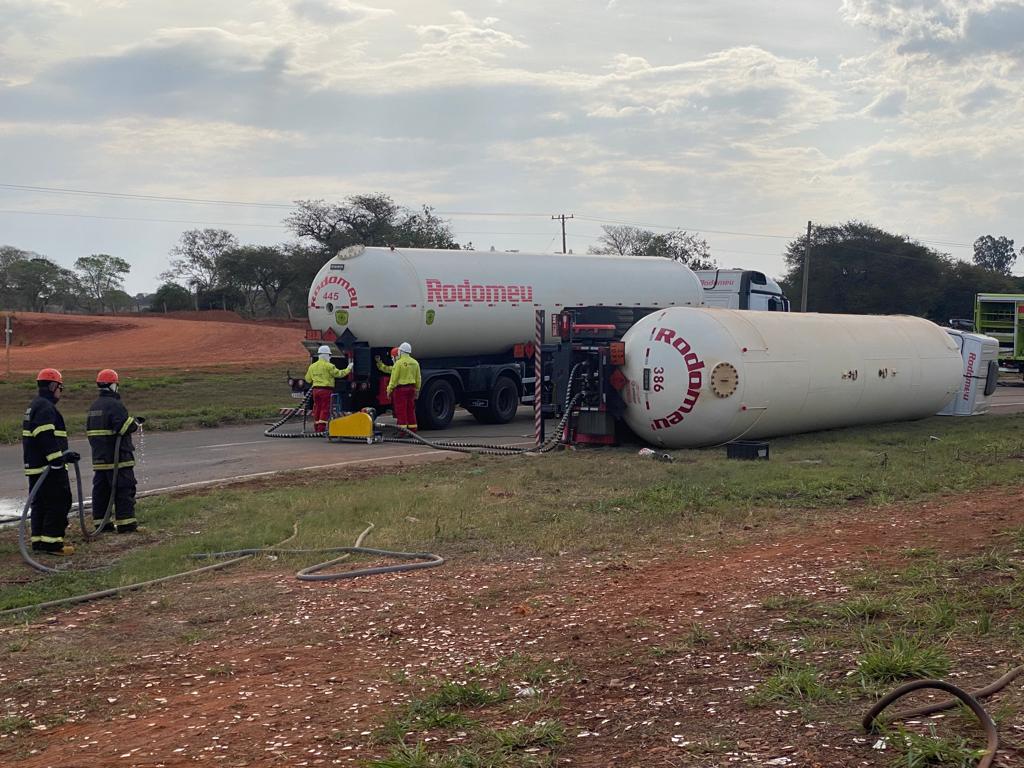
[(699, 377), (470, 317)]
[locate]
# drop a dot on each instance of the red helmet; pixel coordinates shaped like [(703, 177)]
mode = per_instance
[(50, 374), (394, 352), (107, 376)]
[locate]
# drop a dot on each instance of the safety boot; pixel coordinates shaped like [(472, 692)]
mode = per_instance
[(66, 551)]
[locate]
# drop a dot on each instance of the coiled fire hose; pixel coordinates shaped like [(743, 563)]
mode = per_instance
[(427, 560), (870, 720)]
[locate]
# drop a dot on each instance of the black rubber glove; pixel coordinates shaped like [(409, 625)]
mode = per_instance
[(72, 456), (140, 419)]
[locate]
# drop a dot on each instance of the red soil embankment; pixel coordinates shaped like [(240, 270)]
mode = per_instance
[(79, 342)]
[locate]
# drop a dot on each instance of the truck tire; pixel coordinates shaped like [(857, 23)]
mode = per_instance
[(435, 406), (503, 404)]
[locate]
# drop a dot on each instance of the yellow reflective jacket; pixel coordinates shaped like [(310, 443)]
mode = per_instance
[(405, 371), (322, 373)]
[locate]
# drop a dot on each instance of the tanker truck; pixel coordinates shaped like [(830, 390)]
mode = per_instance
[(470, 318)]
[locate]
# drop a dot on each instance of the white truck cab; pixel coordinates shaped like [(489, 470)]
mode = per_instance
[(742, 289)]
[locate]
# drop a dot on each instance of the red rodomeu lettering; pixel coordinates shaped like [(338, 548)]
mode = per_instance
[(695, 371), (473, 293)]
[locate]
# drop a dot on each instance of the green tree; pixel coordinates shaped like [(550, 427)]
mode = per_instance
[(372, 220), (678, 245), (171, 297), (260, 272), (995, 254), (38, 282), (859, 269), (118, 300), (305, 262), (197, 256), (99, 276), (960, 285)]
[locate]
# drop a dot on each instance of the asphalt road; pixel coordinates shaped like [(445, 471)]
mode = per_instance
[(169, 460), (194, 458)]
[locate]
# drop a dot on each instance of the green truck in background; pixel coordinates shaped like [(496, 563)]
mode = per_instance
[(1001, 315)]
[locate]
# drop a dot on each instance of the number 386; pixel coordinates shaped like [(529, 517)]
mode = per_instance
[(659, 379)]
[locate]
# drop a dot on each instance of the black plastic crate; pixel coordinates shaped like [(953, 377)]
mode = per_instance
[(747, 449)]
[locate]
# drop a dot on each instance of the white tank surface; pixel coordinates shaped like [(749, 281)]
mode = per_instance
[(700, 377), (448, 303)]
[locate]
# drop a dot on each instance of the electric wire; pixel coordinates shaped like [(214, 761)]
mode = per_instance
[(69, 191)]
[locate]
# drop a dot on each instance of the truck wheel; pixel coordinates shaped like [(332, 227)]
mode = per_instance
[(504, 401), (435, 406)]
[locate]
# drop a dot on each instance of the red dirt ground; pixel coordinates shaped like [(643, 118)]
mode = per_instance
[(277, 672), (77, 342)]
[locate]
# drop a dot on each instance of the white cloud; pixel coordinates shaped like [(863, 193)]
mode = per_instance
[(336, 12), (948, 29), (464, 40), (888, 104)]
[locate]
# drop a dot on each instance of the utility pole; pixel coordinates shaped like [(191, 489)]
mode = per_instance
[(807, 269), (8, 332), (563, 217)]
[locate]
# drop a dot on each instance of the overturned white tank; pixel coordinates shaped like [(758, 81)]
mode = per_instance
[(449, 303), (699, 377)]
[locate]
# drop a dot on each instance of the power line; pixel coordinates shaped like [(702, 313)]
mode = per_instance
[(69, 191), (688, 229), (139, 218), (133, 196)]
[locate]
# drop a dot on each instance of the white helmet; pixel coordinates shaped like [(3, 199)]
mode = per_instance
[(324, 350), (405, 348)]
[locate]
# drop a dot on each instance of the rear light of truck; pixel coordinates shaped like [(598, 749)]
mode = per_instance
[(617, 353)]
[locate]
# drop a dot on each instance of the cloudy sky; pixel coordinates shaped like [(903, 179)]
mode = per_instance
[(740, 119)]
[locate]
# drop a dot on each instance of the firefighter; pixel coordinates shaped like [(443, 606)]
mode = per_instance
[(44, 441), (107, 420), (322, 374), (404, 386)]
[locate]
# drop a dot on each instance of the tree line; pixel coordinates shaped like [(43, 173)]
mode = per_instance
[(33, 282), (855, 267)]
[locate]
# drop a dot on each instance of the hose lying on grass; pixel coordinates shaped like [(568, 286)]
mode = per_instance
[(870, 720), (427, 560)]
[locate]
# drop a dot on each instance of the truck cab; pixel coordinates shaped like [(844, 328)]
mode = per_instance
[(742, 289)]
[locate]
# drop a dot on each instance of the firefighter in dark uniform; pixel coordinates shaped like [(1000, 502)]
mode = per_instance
[(107, 420), (44, 441)]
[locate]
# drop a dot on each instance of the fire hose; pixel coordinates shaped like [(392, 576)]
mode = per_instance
[(970, 699), (403, 435), (87, 533), (424, 560)]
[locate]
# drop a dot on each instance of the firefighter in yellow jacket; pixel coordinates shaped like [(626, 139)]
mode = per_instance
[(322, 374), (404, 386)]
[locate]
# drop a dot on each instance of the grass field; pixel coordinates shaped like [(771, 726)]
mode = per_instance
[(798, 665), (181, 399), (575, 502)]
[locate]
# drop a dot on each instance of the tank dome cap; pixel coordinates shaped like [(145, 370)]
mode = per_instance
[(350, 252)]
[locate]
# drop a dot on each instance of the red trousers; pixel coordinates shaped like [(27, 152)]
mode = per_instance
[(321, 407), (404, 398)]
